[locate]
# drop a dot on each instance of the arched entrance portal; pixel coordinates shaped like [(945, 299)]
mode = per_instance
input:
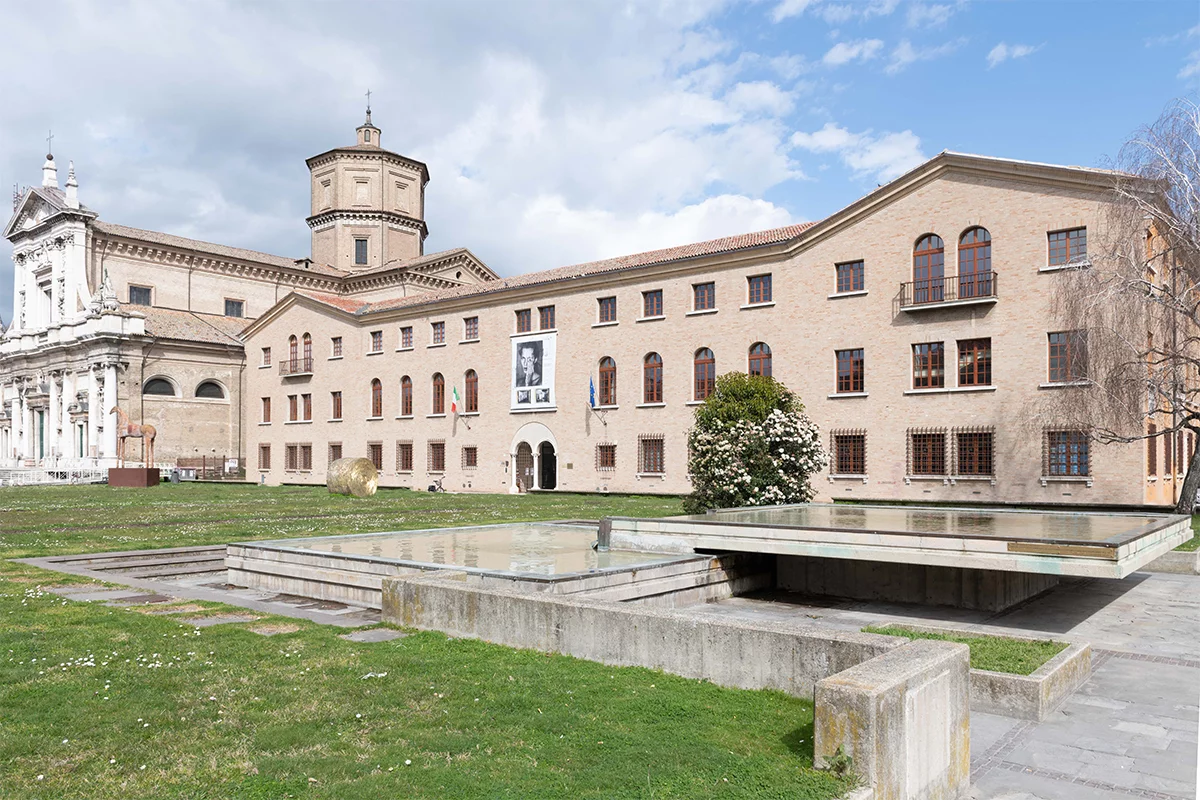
[(547, 466), (524, 470)]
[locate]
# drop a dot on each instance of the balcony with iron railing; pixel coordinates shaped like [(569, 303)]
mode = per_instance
[(296, 367), (949, 290)]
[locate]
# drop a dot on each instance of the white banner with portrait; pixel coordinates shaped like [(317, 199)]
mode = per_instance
[(533, 357)]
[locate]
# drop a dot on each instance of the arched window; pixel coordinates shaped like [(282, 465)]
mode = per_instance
[(159, 386), (975, 263), (608, 382), (406, 396), (471, 401), (705, 371), (439, 393), (307, 352), (760, 359), (210, 390), (929, 266), (652, 374), (293, 350), (376, 398)]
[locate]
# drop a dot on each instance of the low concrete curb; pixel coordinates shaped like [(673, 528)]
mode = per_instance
[(1176, 562)]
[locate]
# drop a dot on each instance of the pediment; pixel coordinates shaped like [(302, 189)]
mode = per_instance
[(32, 211), (461, 268)]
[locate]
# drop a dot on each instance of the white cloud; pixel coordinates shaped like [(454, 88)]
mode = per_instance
[(760, 96), (789, 8), (930, 15), (834, 13), (883, 157), (905, 54), (845, 52), (1003, 52), (1192, 67)]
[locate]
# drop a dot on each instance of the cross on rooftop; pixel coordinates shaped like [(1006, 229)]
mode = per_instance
[(368, 101), (49, 142)]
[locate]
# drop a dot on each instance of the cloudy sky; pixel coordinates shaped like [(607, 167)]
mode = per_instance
[(559, 131)]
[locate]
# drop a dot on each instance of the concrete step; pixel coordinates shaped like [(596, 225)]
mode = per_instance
[(206, 567), (132, 556)]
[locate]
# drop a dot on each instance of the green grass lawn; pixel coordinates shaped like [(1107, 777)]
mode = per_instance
[(995, 653), (99, 702), (1192, 544)]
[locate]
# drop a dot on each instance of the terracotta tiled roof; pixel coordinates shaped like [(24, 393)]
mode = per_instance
[(727, 244), (224, 251), (347, 304), (170, 323), (412, 263)]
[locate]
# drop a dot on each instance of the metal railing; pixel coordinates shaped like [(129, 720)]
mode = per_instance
[(948, 289), (296, 366), (33, 476)]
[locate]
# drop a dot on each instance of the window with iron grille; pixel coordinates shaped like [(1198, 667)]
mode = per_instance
[(652, 373), (651, 456), (471, 328), (335, 347), (375, 453), (266, 409), (139, 295), (404, 456), (759, 289), (376, 341), (335, 405), (335, 451), (437, 456), (264, 456), (606, 457), (849, 452), (851, 371), (929, 365), (546, 318), (652, 303), (704, 296), (306, 406), (704, 366), (927, 452), (266, 356), (235, 308), (306, 457), (438, 332), (975, 362), (291, 458), (850, 277), (406, 338), (1067, 454), (608, 382), (1068, 356), (406, 396), (1067, 246), (376, 398), (524, 321), (974, 452), (470, 457), (293, 407)]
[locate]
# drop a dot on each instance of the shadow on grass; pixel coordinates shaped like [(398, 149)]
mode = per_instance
[(799, 741)]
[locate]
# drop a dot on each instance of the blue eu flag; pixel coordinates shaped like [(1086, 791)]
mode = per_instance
[(591, 392)]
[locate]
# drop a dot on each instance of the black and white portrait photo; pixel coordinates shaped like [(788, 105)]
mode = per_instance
[(523, 397), (529, 364), (533, 361)]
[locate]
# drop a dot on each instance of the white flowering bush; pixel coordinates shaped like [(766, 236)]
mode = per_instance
[(752, 445)]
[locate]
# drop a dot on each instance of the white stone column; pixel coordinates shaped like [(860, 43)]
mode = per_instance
[(28, 443), (50, 445), (107, 402), (93, 415), (66, 432), (17, 415)]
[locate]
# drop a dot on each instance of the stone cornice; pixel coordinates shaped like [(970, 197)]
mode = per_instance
[(333, 215), (330, 156)]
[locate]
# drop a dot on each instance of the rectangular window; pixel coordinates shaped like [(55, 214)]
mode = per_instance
[(437, 456), (704, 296), (975, 362), (1068, 356), (927, 452), (291, 457), (1067, 246), (306, 457), (524, 321), (470, 457), (1152, 451), (438, 332), (929, 366), (335, 347), (652, 455), (1067, 454), (266, 409), (608, 309), (471, 328), (606, 457), (1168, 455), (850, 453), (335, 405), (266, 356), (851, 373), (306, 406), (139, 295), (652, 303), (264, 456), (293, 407), (360, 251), (235, 308), (404, 457), (975, 453), (850, 277), (546, 318), (375, 453), (759, 289), (376, 341), (406, 338), (335, 451)]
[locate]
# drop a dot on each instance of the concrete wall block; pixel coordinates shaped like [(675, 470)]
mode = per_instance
[(1176, 562)]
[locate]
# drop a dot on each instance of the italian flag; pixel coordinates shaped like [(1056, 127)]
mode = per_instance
[(454, 400)]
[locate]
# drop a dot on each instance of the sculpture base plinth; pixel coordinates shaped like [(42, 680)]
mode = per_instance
[(134, 477)]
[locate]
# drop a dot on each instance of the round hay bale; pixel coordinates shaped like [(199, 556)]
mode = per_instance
[(356, 476)]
